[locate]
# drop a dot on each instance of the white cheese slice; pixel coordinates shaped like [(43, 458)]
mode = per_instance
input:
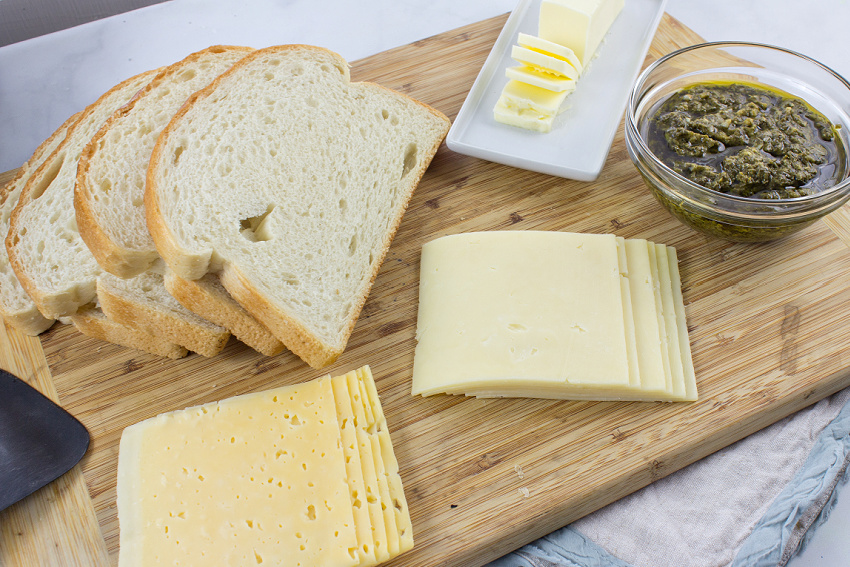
[(258, 478), (578, 24), (670, 322), (628, 314), (541, 308), (645, 310), (664, 337), (682, 326)]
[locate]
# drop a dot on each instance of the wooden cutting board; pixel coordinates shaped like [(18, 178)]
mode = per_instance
[(769, 327)]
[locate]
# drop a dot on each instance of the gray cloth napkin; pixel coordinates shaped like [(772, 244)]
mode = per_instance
[(751, 504)]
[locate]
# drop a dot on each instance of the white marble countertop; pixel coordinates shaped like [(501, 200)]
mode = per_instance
[(45, 79)]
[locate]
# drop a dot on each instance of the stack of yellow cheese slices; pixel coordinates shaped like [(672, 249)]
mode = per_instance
[(569, 33), (552, 315), (299, 475)]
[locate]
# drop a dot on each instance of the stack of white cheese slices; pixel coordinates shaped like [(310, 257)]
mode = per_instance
[(298, 475), (569, 33), (552, 315)]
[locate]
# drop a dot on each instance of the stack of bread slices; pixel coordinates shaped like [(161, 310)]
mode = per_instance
[(238, 191)]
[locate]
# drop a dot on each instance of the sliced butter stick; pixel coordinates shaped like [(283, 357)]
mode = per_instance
[(682, 326), (353, 468)]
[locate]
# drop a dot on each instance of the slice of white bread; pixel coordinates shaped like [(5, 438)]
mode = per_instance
[(110, 184), (46, 252), (224, 311), (91, 321), (109, 191), (143, 303), (16, 305), (53, 263), (289, 182)]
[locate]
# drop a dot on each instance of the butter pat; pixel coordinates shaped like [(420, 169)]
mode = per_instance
[(544, 62), (550, 48), (543, 80), (528, 106), (525, 97), (579, 25)]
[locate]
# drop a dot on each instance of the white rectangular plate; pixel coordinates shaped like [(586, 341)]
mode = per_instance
[(581, 135)]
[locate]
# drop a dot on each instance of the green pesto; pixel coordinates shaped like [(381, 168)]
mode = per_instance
[(745, 140)]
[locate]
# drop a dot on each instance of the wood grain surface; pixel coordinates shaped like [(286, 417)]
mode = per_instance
[(768, 324)]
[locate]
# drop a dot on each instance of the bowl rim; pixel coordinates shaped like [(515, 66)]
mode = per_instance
[(633, 132)]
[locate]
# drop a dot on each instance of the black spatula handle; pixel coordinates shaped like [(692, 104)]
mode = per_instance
[(39, 441)]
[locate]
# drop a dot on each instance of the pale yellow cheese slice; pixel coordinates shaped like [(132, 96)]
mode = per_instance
[(664, 338), (391, 468), (254, 479), (380, 530), (682, 326), (544, 309), (371, 427), (628, 314), (488, 301), (647, 333), (670, 322), (386, 500), (354, 471)]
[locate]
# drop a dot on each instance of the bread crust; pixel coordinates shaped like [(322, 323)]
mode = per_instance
[(67, 302), (193, 264), (29, 320), (112, 256), (91, 322), (288, 329), (222, 309), (206, 342)]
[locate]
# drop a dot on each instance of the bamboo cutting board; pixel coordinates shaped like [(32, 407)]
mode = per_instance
[(769, 328)]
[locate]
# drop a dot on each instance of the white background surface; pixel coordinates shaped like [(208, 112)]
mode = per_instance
[(45, 79)]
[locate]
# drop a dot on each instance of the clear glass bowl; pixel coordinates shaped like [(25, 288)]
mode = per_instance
[(727, 216)]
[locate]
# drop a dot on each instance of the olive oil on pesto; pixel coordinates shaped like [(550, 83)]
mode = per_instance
[(746, 140)]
